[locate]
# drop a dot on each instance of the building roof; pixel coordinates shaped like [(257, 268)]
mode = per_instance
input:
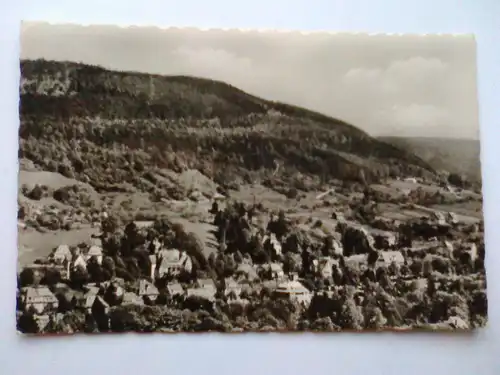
[(392, 256), (130, 298), (206, 293), (62, 251), (172, 258), (41, 294), (147, 288), (94, 251), (248, 270), (175, 288), (291, 287), (275, 267)]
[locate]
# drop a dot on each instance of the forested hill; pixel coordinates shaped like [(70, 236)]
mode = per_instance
[(461, 156), (111, 128)]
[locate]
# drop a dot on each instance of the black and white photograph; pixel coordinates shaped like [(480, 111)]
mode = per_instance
[(185, 180)]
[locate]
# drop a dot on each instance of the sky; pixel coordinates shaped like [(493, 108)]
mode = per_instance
[(401, 85)]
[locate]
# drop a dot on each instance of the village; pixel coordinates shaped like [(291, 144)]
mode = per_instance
[(422, 273)]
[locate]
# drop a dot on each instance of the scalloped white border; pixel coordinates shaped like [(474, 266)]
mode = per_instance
[(27, 24)]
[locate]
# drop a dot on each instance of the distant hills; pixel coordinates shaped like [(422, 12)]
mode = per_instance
[(113, 129), (460, 156)]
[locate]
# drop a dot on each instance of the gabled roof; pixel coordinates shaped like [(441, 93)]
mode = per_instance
[(130, 298), (94, 251), (392, 256), (206, 282), (170, 258), (62, 251), (291, 287), (42, 294), (275, 267), (247, 269), (147, 288), (206, 293), (175, 288)]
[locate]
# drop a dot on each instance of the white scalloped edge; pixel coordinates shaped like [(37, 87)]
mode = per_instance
[(25, 24)]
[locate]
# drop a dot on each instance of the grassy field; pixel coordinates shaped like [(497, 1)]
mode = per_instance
[(33, 245)]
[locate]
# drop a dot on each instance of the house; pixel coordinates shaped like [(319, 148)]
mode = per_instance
[(95, 305), (148, 291), (94, 251), (39, 300), (130, 298), (295, 291), (388, 257), (232, 288), (175, 290), (172, 262), (61, 254), (246, 271), (356, 260), (43, 269), (323, 267), (78, 261), (206, 283), (275, 270), (203, 293)]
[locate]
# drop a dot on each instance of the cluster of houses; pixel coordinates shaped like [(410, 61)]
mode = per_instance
[(43, 303), (97, 299)]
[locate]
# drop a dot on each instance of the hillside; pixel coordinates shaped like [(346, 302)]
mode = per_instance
[(121, 131), (460, 156)]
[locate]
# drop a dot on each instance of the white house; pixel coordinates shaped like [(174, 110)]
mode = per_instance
[(147, 290), (275, 269), (94, 251), (388, 257), (295, 291), (172, 262), (323, 267), (39, 300), (61, 254)]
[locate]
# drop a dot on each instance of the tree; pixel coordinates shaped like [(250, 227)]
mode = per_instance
[(79, 277), (110, 225), (36, 193), (457, 180), (109, 267), (290, 263), (95, 271), (26, 323), (194, 247), (26, 277), (51, 277)]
